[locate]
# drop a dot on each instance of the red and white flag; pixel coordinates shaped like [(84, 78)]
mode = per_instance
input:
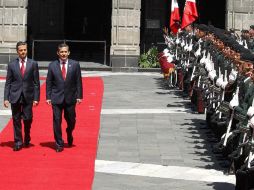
[(174, 17), (190, 13)]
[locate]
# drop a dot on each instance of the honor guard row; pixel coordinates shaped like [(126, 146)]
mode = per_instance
[(214, 68)]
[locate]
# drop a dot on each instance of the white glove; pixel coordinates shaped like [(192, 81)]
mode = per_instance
[(212, 74), (202, 60), (224, 84), (252, 122), (245, 44), (190, 47), (209, 67), (198, 52), (168, 54), (177, 41), (186, 47), (234, 102), (165, 50), (250, 111), (219, 81), (183, 43), (232, 76), (169, 59), (207, 61)]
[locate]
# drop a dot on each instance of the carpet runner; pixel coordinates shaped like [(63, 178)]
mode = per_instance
[(39, 167)]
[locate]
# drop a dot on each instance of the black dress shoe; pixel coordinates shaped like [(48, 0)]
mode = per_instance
[(17, 147), (59, 149), (26, 143), (70, 140)]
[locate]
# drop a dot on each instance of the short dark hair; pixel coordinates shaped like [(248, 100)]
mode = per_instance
[(20, 43), (62, 45)]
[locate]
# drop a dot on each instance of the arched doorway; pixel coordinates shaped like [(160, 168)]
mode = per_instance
[(74, 20)]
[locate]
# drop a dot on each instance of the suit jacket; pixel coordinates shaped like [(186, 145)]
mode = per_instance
[(59, 90), (15, 84)]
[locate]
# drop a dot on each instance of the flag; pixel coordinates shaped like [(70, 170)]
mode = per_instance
[(190, 13), (174, 17)]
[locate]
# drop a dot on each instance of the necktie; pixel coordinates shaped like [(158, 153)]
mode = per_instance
[(22, 68), (63, 70)]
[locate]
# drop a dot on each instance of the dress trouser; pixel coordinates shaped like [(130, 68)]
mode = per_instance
[(70, 117), (22, 110)]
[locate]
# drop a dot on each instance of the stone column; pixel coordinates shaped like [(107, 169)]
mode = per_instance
[(13, 22), (125, 34), (239, 14)]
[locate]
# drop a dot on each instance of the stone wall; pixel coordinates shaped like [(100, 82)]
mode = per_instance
[(13, 22), (239, 14), (125, 33)]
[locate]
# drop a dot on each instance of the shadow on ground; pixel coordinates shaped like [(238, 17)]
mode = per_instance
[(222, 186)]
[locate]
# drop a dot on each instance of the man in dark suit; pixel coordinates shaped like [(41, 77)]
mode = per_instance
[(63, 92), (22, 90)]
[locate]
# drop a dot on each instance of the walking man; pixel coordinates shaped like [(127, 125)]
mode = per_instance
[(63, 92), (22, 91)]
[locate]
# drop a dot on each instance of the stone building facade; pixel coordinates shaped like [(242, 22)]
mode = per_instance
[(13, 22), (125, 27), (239, 14), (125, 33)]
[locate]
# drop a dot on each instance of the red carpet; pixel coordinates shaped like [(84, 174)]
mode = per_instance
[(39, 167)]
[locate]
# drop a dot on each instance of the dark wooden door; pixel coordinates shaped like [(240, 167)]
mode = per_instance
[(46, 19), (45, 22), (154, 16)]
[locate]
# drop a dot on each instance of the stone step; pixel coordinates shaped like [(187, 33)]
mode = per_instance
[(124, 69)]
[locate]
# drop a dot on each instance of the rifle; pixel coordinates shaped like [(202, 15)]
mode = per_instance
[(223, 92), (251, 142), (250, 157), (227, 134)]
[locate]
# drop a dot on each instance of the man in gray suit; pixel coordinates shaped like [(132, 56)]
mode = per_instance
[(63, 92), (22, 90)]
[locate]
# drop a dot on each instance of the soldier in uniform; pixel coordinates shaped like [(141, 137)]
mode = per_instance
[(251, 39)]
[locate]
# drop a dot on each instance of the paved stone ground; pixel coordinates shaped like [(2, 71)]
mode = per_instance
[(145, 123), (163, 139), (3, 118), (125, 182)]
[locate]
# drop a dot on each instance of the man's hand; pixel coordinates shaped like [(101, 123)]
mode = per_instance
[(35, 103), (79, 101), (48, 102), (6, 103)]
